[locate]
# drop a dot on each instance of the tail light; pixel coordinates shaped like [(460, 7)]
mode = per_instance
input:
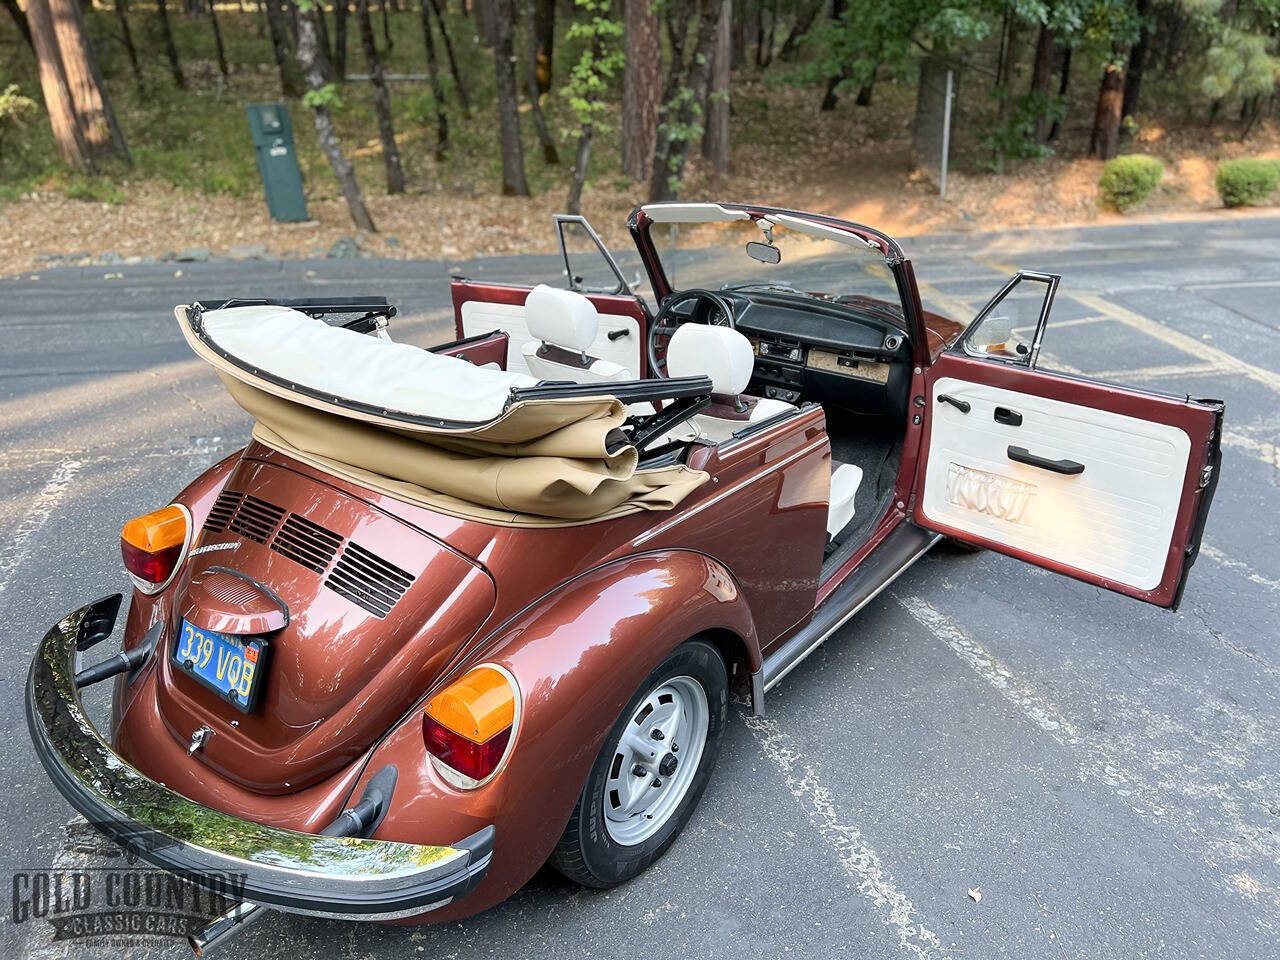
[(154, 545), (467, 726)]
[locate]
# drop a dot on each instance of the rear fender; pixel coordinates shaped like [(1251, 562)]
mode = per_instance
[(578, 656)]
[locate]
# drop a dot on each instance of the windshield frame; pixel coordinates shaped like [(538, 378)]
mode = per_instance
[(641, 223)]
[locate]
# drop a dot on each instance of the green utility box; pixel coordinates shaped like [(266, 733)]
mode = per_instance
[(278, 161)]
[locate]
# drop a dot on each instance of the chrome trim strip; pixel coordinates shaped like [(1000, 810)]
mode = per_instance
[(771, 682)]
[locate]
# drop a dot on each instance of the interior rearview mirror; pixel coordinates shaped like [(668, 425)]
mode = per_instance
[(764, 252)]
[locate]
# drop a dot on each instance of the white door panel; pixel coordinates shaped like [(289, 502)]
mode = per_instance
[(479, 316), (1115, 519)]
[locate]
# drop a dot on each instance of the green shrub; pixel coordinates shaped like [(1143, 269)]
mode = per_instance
[(1127, 181), (93, 190), (1246, 181)]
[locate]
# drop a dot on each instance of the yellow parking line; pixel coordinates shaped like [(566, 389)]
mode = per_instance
[(959, 310), (1180, 341)]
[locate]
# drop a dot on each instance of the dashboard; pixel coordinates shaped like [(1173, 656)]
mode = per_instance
[(851, 353)]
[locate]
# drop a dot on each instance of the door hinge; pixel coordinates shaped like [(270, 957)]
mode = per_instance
[(1205, 475)]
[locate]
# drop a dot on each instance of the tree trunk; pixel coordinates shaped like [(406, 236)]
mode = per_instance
[(463, 97), (830, 98), (1105, 142), (715, 140), (57, 94), (772, 34), (386, 26), (863, 99), (513, 179), (280, 46), (802, 24), (96, 119), (1137, 61), (533, 70), (20, 21), (340, 12), (217, 41), (1042, 76), (381, 100), (487, 16), (437, 88), (641, 89), (308, 44), (1064, 82), (170, 48), (580, 163), (127, 36), (323, 48), (544, 32), (682, 100)]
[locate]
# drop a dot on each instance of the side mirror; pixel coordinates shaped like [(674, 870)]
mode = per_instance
[(764, 252)]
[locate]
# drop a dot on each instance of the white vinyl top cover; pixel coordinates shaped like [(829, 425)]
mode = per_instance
[(723, 354), (343, 364), (561, 318)]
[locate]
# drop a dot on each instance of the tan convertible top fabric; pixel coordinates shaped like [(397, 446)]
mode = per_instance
[(542, 462)]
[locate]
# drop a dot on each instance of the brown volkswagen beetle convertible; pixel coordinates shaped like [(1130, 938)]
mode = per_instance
[(455, 612)]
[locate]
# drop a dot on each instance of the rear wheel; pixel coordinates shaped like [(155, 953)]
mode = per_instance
[(651, 771)]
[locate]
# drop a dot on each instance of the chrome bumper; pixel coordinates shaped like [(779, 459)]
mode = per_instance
[(287, 870)]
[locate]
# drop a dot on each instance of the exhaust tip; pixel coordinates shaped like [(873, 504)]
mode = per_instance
[(223, 928)]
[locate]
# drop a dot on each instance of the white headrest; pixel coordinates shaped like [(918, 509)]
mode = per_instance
[(724, 355), (561, 318)]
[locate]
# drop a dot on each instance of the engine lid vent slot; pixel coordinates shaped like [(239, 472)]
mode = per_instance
[(256, 519), (223, 509), (368, 581), (306, 543)]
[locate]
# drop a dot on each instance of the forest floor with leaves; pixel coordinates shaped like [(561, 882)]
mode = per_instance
[(194, 192)]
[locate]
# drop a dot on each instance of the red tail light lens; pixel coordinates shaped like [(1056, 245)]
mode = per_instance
[(153, 546), (474, 760), (467, 726)]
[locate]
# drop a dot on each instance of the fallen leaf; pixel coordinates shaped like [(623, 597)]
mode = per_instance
[(975, 894)]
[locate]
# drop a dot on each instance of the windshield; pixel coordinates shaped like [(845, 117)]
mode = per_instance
[(812, 259)]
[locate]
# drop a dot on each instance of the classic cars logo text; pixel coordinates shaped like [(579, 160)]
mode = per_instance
[(127, 902)]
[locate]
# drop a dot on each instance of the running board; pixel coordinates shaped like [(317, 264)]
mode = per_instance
[(903, 547)]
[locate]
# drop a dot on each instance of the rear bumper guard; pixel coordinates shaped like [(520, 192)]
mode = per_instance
[(347, 877)]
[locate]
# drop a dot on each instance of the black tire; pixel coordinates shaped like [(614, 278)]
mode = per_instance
[(586, 853)]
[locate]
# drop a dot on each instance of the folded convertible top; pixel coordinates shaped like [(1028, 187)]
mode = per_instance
[(435, 429)]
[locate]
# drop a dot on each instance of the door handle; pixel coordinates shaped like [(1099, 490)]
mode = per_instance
[(1008, 417), (1022, 455), (619, 333), (961, 405)]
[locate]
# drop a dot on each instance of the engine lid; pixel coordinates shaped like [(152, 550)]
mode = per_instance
[(370, 611)]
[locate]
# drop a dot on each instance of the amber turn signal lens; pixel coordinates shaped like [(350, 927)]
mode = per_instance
[(152, 545), (468, 724)]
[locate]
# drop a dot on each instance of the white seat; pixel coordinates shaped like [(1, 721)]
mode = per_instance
[(563, 325), (724, 355), (845, 480)]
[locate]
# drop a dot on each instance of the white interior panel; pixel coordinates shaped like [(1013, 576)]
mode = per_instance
[(479, 317), (1114, 520)]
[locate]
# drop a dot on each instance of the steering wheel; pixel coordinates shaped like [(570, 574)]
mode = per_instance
[(665, 324)]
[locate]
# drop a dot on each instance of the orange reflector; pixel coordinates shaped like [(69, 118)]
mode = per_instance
[(478, 706), (159, 530)]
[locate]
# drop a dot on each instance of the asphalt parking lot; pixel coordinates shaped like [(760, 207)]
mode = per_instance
[(1105, 774)]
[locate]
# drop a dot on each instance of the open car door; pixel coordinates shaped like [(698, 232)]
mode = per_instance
[(1104, 483), (481, 307)]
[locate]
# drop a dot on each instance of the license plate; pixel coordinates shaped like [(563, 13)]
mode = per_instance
[(228, 665)]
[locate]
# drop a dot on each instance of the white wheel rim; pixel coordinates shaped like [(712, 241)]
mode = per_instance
[(655, 760)]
